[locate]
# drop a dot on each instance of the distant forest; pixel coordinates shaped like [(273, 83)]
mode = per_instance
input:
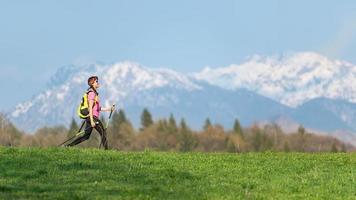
[(171, 135)]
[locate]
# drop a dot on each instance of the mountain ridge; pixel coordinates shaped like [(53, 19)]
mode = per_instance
[(195, 97)]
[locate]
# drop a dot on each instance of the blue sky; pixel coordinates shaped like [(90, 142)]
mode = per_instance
[(37, 37)]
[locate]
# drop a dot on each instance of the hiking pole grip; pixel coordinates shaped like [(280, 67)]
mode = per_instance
[(112, 110)]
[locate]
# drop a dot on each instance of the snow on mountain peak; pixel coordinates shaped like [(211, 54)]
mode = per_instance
[(291, 79), (130, 74), (22, 108), (121, 77)]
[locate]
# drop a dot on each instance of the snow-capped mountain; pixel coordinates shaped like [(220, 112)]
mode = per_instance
[(291, 79), (134, 87), (304, 88), (121, 83)]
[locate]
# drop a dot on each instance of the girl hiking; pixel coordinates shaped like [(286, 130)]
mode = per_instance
[(91, 108)]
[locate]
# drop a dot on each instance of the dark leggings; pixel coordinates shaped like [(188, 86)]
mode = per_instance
[(88, 129)]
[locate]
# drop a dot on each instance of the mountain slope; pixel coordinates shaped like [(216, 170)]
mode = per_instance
[(327, 114), (291, 79)]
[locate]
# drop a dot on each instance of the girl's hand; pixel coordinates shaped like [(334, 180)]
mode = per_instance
[(112, 108), (92, 123)]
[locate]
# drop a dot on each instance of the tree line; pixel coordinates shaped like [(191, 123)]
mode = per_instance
[(167, 134)]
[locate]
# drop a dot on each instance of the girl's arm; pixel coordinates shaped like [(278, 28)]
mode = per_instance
[(108, 109), (91, 103), (105, 109)]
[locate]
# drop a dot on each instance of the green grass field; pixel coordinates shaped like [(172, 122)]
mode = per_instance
[(59, 173)]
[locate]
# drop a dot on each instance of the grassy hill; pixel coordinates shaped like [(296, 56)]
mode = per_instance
[(59, 173)]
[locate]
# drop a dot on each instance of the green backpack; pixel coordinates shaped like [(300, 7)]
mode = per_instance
[(83, 108)]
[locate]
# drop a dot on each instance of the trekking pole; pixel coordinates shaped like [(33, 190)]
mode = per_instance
[(107, 124), (78, 133), (83, 122)]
